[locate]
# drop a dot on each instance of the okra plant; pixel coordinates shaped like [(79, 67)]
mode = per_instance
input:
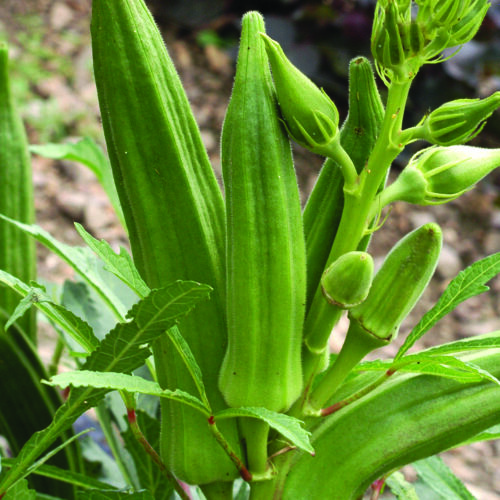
[(216, 339)]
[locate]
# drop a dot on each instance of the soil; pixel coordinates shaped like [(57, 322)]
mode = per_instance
[(67, 192)]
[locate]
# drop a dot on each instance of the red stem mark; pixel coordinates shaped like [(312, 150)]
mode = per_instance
[(132, 417)]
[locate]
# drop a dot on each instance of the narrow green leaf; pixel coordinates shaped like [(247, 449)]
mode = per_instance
[(490, 341), (81, 259), (289, 427), (444, 366), (66, 476), (121, 265), (78, 329), (123, 382), (114, 495), (400, 487), (468, 283), (190, 362), (88, 153), (436, 474), (24, 305)]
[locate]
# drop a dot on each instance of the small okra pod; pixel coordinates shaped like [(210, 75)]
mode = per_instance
[(399, 283), (347, 281)]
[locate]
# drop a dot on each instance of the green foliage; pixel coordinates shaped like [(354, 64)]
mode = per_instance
[(203, 351)]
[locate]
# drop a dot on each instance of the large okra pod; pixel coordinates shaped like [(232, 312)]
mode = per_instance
[(17, 255), (265, 242), (174, 213), (406, 419), (357, 136)]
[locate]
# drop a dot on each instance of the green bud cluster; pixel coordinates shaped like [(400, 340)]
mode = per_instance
[(402, 42), (438, 174), (310, 116), (458, 121)]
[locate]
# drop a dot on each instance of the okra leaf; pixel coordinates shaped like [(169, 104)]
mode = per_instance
[(400, 487), (114, 495), (66, 476), (487, 435), (121, 350), (189, 360), (491, 341), (123, 382), (444, 366), (81, 259), (289, 427), (35, 294), (436, 475), (468, 283), (121, 265), (75, 327), (20, 491), (88, 153)]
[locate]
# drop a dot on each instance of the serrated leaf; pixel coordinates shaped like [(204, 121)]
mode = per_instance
[(78, 329), (492, 341), (121, 265), (88, 153), (289, 427), (114, 495), (468, 283), (81, 259), (190, 362), (436, 474), (25, 304), (122, 349), (123, 382), (400, 487)]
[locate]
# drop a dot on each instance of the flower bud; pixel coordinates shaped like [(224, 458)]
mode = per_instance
[(458, 121), (347, 281), (459, 19), (399, 283), (310, 116), (440, 174)]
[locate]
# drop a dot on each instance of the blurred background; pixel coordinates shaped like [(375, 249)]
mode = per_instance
[(51, 64)]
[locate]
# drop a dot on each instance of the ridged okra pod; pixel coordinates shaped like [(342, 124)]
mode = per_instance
[(408, 418), (17, 255), (357, 136), (265, 243), (174, 213)]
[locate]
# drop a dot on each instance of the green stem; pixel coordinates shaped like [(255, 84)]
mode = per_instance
[(347, 166), (137, 432), (219, 437), (356, 346), (355, 216), (358, 395), (53, 367), (255, 432)]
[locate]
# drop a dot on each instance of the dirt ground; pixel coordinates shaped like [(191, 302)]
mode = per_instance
[(66, 192)]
